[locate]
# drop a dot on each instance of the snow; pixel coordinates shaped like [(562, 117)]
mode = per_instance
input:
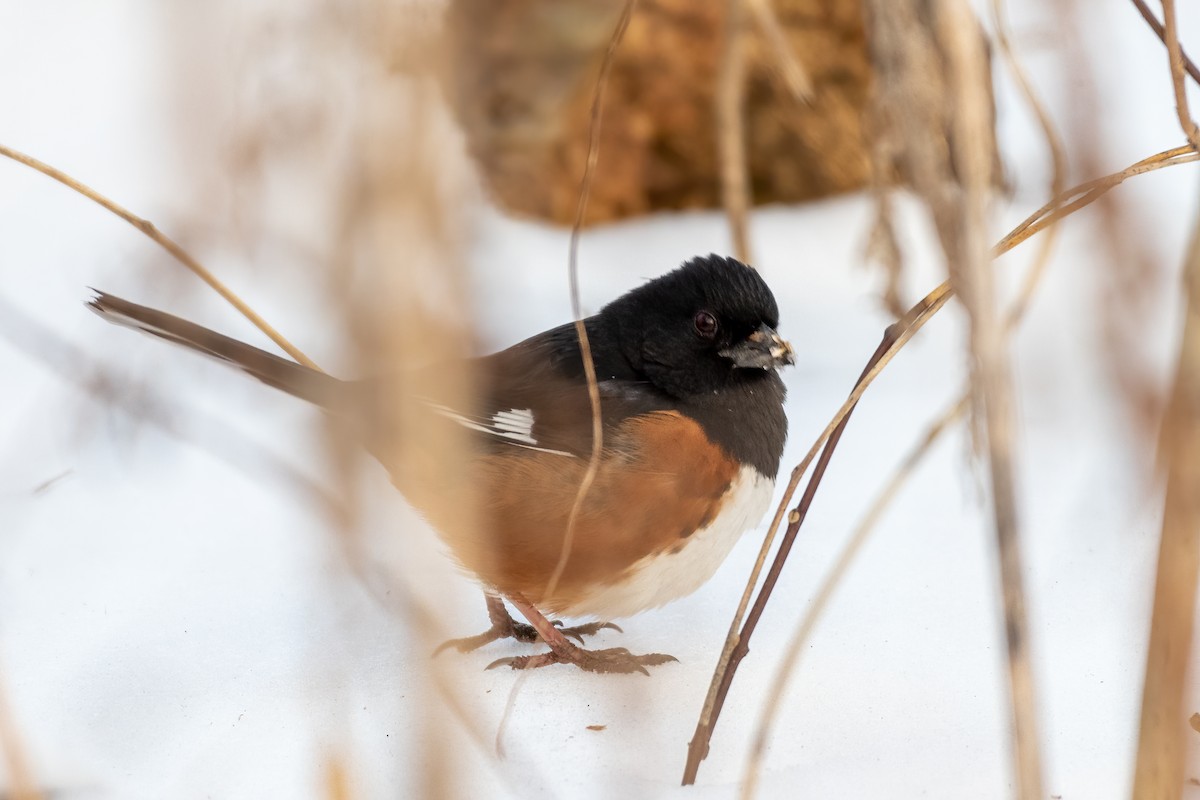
[(178, 620)]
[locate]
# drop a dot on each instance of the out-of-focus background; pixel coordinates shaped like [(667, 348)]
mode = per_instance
[(203, 593)]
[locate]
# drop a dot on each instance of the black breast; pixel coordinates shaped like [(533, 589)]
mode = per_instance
[(746, 419)]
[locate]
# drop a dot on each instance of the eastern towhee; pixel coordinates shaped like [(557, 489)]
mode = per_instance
[(693, 432)]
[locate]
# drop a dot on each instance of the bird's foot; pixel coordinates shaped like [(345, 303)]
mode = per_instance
[(505, 627), (580, 631), (613, 660)]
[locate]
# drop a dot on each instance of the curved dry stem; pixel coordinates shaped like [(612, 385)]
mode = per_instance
[(774, 696), (1175, 57), (833, 579), (509, 705), (1084, 194), (727, 662), (585, 347), (1058, 161), (180, 255)]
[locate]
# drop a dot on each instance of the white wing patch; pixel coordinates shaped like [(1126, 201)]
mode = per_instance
[(514, 426)]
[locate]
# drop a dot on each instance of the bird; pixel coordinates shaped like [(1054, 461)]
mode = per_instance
[(693, 428)]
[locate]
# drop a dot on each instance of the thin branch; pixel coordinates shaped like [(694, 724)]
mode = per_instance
[(1084, 194), (773, 704), (737, 642), (60, 355), (585, 347), (1157, 27), (180, 255), (1175, 56), (1058, 159), (992, 391), (731, 129)]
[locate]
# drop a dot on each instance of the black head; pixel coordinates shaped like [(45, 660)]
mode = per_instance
[(700, 328)]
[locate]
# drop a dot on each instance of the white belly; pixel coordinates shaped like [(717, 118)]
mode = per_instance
[(658, 579)]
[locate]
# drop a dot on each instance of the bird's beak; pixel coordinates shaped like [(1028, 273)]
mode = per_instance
[(763, 349)]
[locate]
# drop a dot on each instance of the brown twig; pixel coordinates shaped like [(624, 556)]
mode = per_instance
[(585, 347), (1175, 57), (1084, 194), (1162, 746), (180, 255), (1157, 27), (737, 643), (61, 355), (772, 705), (1058, 159), (731, 129)]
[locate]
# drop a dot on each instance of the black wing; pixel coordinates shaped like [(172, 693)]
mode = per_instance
[(534, 394)]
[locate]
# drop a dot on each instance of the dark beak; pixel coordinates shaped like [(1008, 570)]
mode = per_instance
[(763, 349)]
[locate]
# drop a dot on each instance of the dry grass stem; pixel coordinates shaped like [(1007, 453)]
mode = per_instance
[(180, 255), (1058, 159), (991, 386), (1084, 194), (773, 700), (896, 337), (1163, 736), (1157, 27), (1175, 57), (585, 347), (774, 695), (509, 705), (795, 76), (731, 130)]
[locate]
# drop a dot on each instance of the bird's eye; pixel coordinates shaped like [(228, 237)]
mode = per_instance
[(706, 324)]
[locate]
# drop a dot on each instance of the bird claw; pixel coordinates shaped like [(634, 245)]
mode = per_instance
[(616, 660), (590, 629), (469, 643), (522, 633)]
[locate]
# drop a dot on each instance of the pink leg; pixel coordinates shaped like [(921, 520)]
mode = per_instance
[(505, 627)]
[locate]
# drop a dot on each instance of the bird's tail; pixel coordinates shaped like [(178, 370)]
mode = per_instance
[(295, 379)]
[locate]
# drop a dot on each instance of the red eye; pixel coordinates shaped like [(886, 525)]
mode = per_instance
[(706, 324)]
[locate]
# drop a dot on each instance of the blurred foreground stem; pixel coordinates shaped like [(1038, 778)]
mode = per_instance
[(1162, 746)]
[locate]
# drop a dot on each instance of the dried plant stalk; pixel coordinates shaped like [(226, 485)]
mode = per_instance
[(1161, 33), (992, 393), (1175, 57), (1162, 745), (798, 81), (182, 256), (585, 347), (731, 131), (816, 609), (1070, 201)]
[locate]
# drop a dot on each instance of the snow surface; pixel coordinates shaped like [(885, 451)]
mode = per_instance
[(175, 624)]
